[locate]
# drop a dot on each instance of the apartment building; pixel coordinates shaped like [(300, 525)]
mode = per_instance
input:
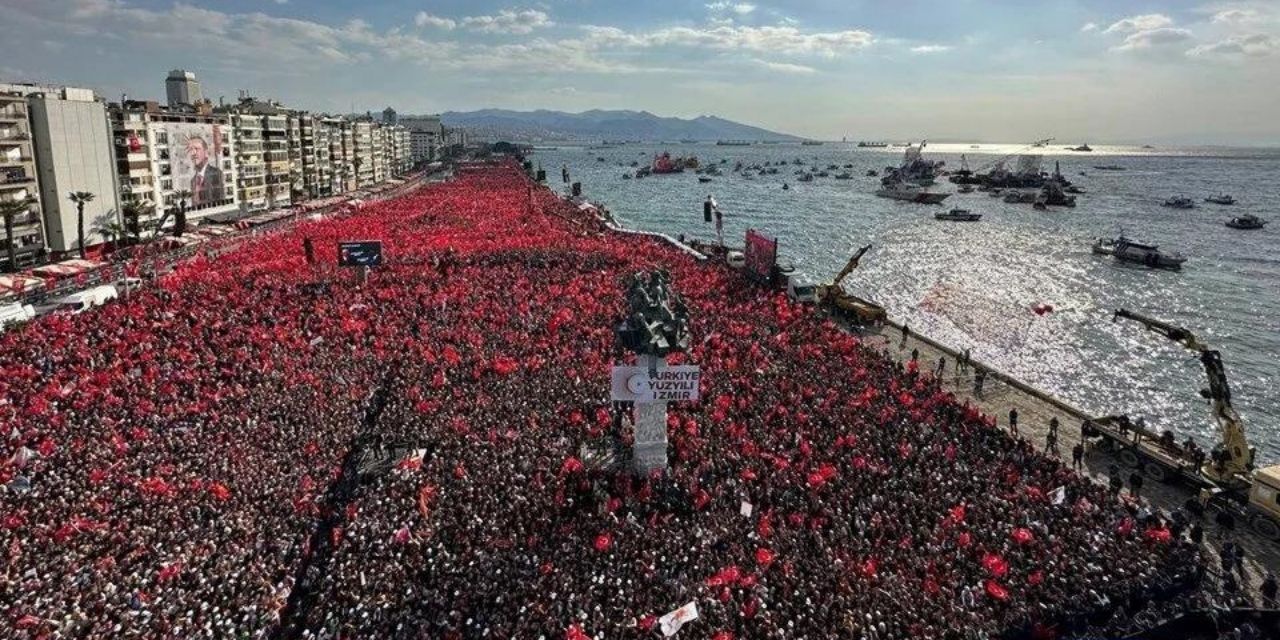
[(252, 175), (426, 136), (363, 154), (171, 159), (72, 139), (24, 231)]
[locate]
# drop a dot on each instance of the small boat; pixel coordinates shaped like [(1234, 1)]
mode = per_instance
[(910, 193), (1221, 198), (871, 173), (872, 145), (812, 143), (958, 215), (1108, 167), (626, 176), (1126, 250), (1180, 202), (704, 179), (786, 187), (1083, 147), (1247, 221)]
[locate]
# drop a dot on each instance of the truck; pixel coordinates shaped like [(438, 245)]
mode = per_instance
[(833, 299), (1226, 476), (82, 301)]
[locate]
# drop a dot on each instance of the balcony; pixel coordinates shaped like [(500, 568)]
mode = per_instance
[(13, 178), (13, 114)]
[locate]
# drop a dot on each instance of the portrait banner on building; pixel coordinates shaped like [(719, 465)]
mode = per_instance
[(195, 149)]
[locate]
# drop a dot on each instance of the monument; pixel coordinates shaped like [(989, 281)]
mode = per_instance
[(656, 325)]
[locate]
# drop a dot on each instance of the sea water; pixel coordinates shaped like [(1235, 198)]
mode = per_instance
[(974, 285)]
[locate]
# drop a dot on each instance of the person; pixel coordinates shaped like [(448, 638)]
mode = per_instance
[(1051, 444), (1135, 483), (708, 208), (906, 333), (1269, 589), (915, 355), (1053, 426), (206, 178), (1115, 482), (964, 361), (1077, 456), (719, 227), (942, 367), (564, 173), (1013, 421), (979, 378)]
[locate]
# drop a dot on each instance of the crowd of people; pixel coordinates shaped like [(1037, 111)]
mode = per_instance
[(167, 459)]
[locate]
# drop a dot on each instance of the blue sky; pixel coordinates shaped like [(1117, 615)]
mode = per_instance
[(970, 69)]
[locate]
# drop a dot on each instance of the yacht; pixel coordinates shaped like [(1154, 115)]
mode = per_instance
[(1126, 250), (1083, 147), (1221, 198), (1180, 202), (1247, 221), (958, 215), (910, 193)]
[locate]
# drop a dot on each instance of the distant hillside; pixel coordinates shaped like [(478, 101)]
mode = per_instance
[(596, 125)]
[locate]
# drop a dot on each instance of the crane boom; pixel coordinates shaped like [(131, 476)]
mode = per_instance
[(853, 264), (1233, 457)]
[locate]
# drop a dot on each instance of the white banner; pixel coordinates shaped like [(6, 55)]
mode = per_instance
[(667, 384), (672, 622)]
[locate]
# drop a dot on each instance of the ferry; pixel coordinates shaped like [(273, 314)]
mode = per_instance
[(1126, 250), (872, 145)]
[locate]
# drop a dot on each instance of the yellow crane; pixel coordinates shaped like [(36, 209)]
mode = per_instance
[(1230, 467), (834, 298)]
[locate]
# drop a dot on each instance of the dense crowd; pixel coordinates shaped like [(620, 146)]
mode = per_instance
[(166, 458)]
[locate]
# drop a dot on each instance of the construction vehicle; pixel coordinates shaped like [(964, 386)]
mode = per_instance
[(1226, 476), (833, 299)]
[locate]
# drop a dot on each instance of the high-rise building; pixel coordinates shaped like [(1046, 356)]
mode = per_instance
[(425, 137), (24, 231), (175, 159), (251, 185), (363, 153), (74, 152), (181, 87)]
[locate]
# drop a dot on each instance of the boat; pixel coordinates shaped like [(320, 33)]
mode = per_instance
[(1180, 202), (1108, 167), (1126, 250), (1221, 198), (872, 145), (665, 164), (733, 143), (1014, 196), (704, 179), (1083, 147), (786, 187), (871, 173), (812, 143), (958, 215), (805, 177), (844, 176), (974, 146), (966, 188), (914, 168), (910, 192), (1247, 221)]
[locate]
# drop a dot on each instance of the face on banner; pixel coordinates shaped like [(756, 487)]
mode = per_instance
[(194, 150)]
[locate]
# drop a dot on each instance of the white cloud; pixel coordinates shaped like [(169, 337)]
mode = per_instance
[(1089, 26), (1153, 38), (767, 39), (930, 48), (1257, 45), (740, 8), (1145, 22), (424, 19), (1236, 17), (784, 67), (510, 21)]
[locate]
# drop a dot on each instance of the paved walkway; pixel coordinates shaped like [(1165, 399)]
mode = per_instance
[(1034, 415)]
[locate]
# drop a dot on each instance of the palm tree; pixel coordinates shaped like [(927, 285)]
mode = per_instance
[(80, 198), (110, 228), (132, 212), (8, 210)]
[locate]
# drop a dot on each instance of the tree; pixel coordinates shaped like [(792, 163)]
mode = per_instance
[(107, 226), (9, 209), (81, 198), (132, 212)]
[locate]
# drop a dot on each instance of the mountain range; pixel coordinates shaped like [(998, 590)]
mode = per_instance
[(599, 125)]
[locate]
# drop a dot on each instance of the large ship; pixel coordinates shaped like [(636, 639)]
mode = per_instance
[(813, 143), (914, 168), (733, 143), (898, 190), (872, 145)]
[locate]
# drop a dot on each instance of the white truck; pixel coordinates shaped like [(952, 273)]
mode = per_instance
[(14, 313), (82, 301)]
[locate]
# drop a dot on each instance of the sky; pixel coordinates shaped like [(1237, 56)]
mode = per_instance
[(1098, 71)]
